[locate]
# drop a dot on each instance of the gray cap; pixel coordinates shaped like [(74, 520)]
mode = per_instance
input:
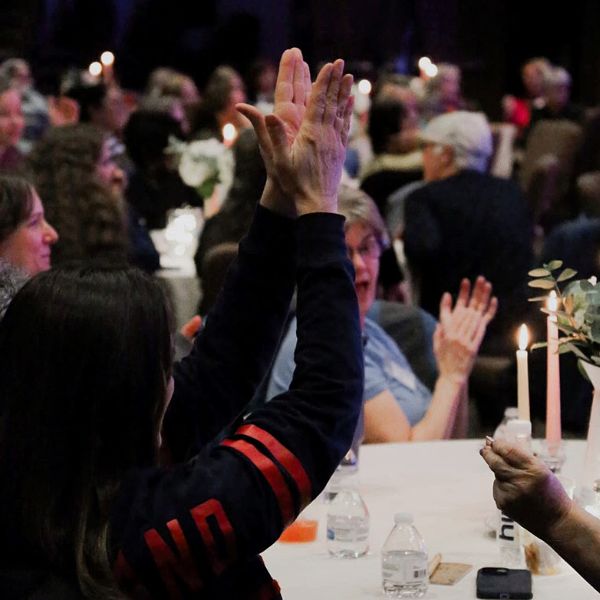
[(468, 133)]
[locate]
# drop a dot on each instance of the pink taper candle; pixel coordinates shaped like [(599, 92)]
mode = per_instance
[(553, 428), (523, 374)]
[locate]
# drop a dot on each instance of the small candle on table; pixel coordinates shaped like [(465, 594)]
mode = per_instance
[(107, 58), (553, 426), (523, 374)]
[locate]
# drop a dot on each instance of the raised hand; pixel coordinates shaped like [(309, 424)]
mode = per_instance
[(461, 329), (524, 488), (291, 95), (303, 141)]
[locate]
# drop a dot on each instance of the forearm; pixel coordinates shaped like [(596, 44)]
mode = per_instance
[(576, 537), (233, 351), (317, 416), (461, 423), (440, 417)]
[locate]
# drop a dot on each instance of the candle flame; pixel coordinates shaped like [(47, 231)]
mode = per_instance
[(107, 58), (95, 68), (229, 133), (364, 87), (523, 337), (424, 62), (552, 302)]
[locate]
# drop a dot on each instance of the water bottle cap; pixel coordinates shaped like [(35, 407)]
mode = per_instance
[(518, 428), (403, 518), (511, 412)]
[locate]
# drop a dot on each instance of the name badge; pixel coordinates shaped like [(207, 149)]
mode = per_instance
[(404, 376)]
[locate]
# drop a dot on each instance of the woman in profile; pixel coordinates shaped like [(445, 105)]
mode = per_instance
[(26, 238), (113, 484)]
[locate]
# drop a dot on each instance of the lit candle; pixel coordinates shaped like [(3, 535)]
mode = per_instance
[(364, 87), (553, 427), (95, 69), (523, 374), (229, 134), (107, 58)]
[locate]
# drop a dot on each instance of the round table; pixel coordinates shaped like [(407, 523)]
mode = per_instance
[(448, 488)]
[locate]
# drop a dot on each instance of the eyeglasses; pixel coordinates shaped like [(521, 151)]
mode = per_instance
[(370, 248)]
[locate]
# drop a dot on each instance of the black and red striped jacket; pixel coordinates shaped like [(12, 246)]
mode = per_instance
[(195, 529)]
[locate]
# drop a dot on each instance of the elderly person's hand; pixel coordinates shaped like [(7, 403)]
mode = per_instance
[(303, 142), (525, 489), (461, 329)]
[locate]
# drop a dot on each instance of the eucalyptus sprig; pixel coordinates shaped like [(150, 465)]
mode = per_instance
[(579, 318)]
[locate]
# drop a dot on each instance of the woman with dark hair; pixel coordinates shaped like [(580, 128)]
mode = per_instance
[(86, 509), (155, 186), (74, 173), (224, 89), (25, 235)]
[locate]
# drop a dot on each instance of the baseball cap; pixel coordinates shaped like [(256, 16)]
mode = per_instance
[(467, 132)]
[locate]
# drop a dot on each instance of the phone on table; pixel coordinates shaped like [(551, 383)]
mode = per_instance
[(497, 582)]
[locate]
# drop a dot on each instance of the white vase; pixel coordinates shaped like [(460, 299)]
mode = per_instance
[(588, 490)]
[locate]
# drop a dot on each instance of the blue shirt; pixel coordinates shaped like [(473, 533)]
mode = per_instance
[(386, 368)]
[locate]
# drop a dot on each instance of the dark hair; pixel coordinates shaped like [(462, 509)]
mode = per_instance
[(218, 88), (146, 136), (16, 203), (78, 411), (87, 216), (87, 97), (385, 120)]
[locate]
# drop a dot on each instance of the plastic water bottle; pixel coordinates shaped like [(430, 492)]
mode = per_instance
[(346, 473), (347, 524), (404, 560), (509, 532), (510, 414)]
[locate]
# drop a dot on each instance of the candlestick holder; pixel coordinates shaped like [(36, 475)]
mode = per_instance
[(552, 454)]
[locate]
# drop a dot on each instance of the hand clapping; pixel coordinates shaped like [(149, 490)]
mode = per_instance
[(303, 142), (461, 329)]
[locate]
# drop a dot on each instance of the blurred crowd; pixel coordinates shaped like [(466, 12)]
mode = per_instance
[(458, 196)]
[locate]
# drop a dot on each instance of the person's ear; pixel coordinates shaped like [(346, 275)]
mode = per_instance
[(447, 155)]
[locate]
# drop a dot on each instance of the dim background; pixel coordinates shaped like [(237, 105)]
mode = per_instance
[(488, 39)]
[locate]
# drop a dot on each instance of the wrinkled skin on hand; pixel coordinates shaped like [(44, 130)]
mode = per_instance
[(303, 142), (525, 489)]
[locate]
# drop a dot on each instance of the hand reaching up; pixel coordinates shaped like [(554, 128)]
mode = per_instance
[(461, 329), (303, 142)]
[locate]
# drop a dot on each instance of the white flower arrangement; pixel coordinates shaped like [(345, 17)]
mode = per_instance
[(203, 164)]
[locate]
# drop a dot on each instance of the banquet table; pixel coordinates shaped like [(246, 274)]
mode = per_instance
[(448, 488)]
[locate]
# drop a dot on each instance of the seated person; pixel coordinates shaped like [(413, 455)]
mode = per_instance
[(465, 223), (113, 484), (398, 159), (12, 124), (557, 96), (529, 493), (397, 405)]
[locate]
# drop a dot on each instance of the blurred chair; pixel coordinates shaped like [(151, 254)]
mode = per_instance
[(547, 169), (215, 265), (588, 193)]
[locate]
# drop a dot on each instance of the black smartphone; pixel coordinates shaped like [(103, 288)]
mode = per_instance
[(496, 582)]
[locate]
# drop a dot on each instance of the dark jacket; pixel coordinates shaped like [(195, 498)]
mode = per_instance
[(195, 530), (467, 225)]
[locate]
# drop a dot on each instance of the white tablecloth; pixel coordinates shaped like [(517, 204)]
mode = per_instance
[(448, 489)]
